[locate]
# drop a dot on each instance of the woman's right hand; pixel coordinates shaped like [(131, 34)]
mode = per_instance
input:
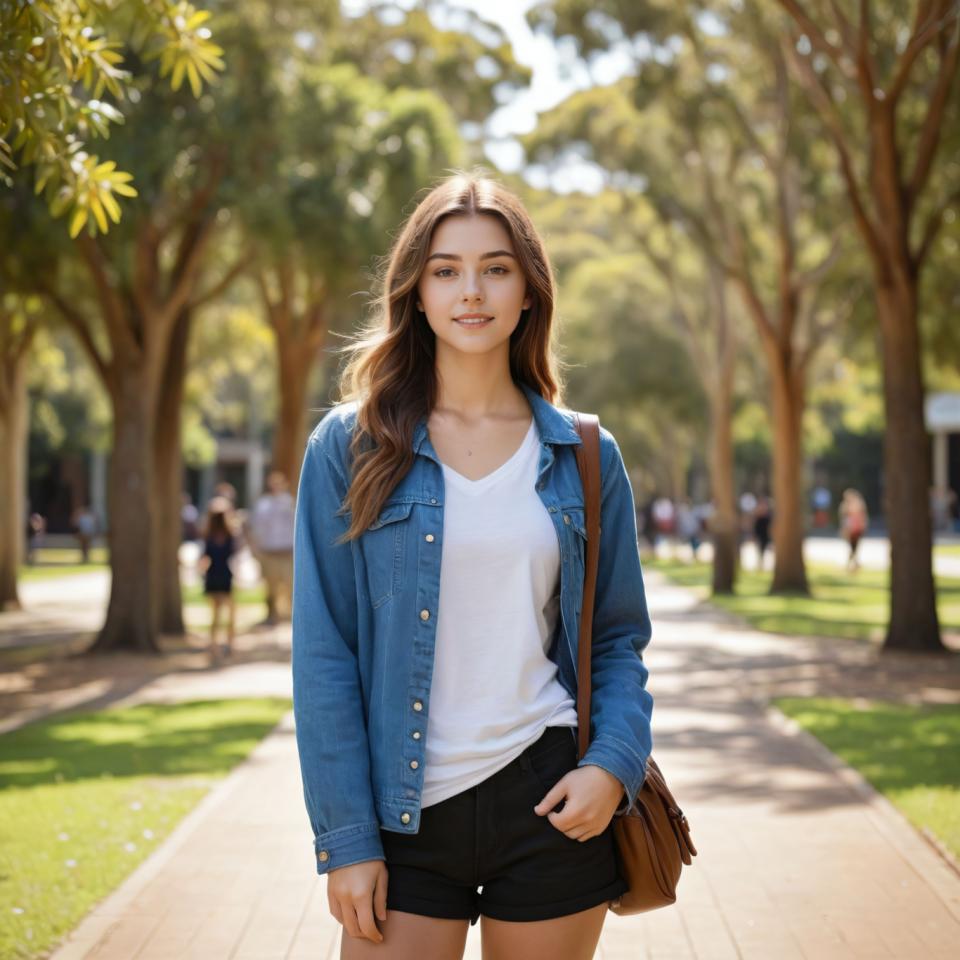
[(355, 892)]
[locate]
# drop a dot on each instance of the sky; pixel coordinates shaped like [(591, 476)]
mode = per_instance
[(556, 74)]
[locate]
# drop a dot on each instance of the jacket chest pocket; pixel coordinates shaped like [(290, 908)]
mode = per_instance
[(384, 547), (575, 532), (575, 542)]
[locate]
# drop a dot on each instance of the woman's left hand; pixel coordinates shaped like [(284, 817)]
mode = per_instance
[(591, 793)]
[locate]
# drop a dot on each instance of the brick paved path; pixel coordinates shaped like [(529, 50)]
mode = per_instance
[(796, 858)]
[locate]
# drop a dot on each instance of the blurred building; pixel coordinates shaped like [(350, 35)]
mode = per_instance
[(942, 416)]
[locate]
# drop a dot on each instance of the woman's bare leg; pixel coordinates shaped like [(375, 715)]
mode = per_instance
[(573, 937), (231, 621), (409, 936), (214, 619), (216, 602)]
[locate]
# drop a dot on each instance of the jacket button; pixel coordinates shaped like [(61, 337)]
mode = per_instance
[(424, 614), (323, 856), (404, 817), (418, 705), (566, 518), (414, 764), (416, 734), (433, 499), (429, 538)]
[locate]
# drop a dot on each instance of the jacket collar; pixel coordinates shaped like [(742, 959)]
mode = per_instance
[(553, 424)]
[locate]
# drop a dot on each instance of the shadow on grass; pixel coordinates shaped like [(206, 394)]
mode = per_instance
[(843, 605), (196, 737)]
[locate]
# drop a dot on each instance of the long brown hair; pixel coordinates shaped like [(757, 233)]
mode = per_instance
[(391, 371)]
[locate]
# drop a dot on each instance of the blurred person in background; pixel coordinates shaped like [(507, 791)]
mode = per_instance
[(688, 525), (853, 518), (762, 520), (271, 535), (36, 528), (189, 520), (219, 548), (820, 500), (84, 523)]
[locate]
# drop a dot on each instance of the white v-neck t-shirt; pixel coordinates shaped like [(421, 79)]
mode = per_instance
[(494, 689)]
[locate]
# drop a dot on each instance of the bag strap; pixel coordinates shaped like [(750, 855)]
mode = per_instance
[(588, 463)]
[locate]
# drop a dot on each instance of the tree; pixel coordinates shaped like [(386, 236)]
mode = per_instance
[(872, 77), (126, 295), (18, 326), (51, 50), (708, 328), (709, 132), (348, 154), (371, 115)]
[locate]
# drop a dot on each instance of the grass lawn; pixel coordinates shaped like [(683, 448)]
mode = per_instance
[(61, 561), (84, 798), (842, 605), (910, 754), (948, 549), (193, 594)]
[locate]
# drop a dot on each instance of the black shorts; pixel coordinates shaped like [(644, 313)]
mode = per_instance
[(489, 836)]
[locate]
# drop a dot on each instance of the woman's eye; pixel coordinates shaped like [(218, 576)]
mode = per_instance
[(443, 271)]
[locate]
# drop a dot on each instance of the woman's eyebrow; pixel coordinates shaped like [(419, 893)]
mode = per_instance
[(483, 256)]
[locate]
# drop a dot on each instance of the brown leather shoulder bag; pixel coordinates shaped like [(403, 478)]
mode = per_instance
[(653, 836)]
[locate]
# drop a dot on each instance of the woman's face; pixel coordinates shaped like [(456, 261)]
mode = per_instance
[(471, 269)]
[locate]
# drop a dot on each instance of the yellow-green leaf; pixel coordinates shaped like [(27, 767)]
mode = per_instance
[(196, 84), (97, 208), (77, 221), (111, 205), (178, 69)]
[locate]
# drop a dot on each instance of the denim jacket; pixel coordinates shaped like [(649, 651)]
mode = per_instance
[(364, 627)]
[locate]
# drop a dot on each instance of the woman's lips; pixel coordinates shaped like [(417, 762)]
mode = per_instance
[(473, 321)]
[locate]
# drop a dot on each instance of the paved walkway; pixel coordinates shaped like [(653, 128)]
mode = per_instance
[(797, 858)]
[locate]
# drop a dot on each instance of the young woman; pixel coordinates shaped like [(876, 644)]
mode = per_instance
[(438, 580)]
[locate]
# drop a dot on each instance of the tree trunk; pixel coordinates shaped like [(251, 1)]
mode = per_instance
[(131, 613), (913, 625), (169, 474), (13, 441), (294, 365), (788, 388), (725, 520), (723, 523)]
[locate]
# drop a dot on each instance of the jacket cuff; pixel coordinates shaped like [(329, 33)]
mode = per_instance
[(354, 844), (618, 758)]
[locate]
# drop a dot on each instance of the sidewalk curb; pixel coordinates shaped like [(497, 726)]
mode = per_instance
[(891, 822), (108, 912)]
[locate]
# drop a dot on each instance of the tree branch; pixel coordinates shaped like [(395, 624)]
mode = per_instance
[(932, 227), (927, 23), (189, 259), (240, 264), (931, 131), (146, 272), (866, 70), (114, 310), (81, 328), (816, 37), (825, 106), (813, 276)]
